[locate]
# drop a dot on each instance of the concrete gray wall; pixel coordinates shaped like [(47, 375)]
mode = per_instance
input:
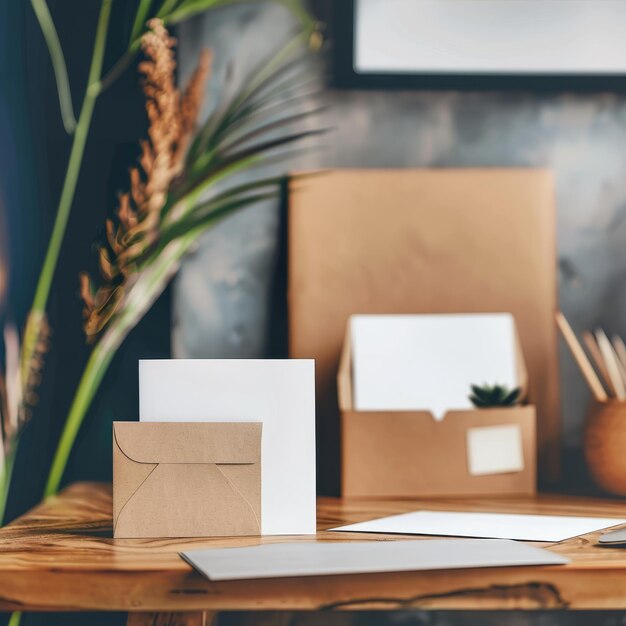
[(221, 295)]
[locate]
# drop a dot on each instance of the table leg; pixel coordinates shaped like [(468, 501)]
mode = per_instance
[(196, 618)]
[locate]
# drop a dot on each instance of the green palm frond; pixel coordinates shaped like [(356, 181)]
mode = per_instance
[(57, 58), (256, 129), (269, 83), (141, 17)]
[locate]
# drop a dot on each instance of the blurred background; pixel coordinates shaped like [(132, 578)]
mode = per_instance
[(229, 298)]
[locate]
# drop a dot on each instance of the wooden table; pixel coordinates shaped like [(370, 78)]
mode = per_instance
[(61, 557)]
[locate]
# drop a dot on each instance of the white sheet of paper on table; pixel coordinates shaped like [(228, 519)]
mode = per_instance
[(279, 560), (428, 362), (279, 393), (494, 450), (484, 525)]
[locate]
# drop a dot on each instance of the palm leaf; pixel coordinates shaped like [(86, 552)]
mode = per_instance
[(189, 8), (265, 74), (167, 7), (259, 127), (240, 189), (140, 20), (249, 115), (211, 211), (58, 63), (271, 126), (245, 157)]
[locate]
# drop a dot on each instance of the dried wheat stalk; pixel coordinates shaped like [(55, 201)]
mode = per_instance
[(14, 404), (172, 117)]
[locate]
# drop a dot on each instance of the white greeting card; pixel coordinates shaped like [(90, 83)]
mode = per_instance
[(279, 393), (484, 525)]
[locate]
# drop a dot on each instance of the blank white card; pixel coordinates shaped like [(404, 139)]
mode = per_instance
[(279, 393), (484, 525), (429, 362)]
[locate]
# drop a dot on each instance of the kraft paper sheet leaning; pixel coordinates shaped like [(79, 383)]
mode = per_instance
[(323, 559), (186, 479), (490, 234)]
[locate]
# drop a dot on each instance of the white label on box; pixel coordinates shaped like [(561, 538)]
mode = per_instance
[(494, 450)]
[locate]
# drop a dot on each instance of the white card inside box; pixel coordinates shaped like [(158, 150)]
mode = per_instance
[(278, 393), (494, 450), (429, 362)]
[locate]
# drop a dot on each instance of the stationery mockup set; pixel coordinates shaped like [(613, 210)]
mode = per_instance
[(430, 404), (198, 465)]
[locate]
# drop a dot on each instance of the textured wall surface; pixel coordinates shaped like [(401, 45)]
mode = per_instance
[(221, 296)]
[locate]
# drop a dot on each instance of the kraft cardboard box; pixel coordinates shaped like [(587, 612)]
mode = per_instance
[(424, 241), (410, 454)]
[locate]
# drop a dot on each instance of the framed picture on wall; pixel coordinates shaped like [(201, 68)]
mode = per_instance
[(481, 44)]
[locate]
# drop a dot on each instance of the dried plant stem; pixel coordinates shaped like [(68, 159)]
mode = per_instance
[(6, 472), (37, 312), (145, 291), (145, 254), (58, 63), (95, 85), (172, 16), (15, 619)]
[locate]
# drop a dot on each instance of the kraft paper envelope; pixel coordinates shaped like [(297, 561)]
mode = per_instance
[(186, 479)]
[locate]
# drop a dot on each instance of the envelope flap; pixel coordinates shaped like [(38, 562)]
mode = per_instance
[(189, 442)]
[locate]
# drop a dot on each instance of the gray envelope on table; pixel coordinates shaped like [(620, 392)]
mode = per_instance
[(279, 560)]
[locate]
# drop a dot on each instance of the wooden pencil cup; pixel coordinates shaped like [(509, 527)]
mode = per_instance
[(605, 445)]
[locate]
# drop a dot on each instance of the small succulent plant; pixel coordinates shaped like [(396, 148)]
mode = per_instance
[(485, 396)]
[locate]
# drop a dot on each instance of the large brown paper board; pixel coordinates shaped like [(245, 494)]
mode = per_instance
[(186, 479), (411, 454), (424, 241)]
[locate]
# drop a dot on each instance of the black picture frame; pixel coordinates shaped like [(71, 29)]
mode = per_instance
[(345, 77)]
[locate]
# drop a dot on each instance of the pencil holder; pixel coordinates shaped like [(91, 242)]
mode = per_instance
[(605, 445)]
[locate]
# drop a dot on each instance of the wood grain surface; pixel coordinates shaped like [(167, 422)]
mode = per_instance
[(61, 556)]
